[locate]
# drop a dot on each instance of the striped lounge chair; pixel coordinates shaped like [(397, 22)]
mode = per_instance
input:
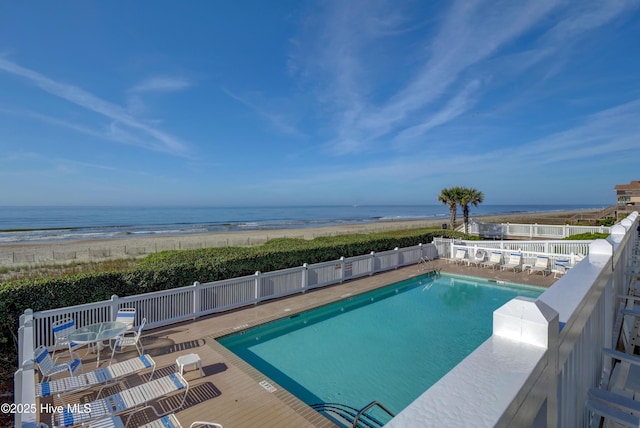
[(136, 398), (106, 376)]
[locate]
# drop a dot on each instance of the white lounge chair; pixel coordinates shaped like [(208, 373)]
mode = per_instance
[(541, 265), (460, 256), (136, 398), (495, 259), (614, 408), (514, 262), (106, 376), (48, 367), (479, 258), (560, 267)]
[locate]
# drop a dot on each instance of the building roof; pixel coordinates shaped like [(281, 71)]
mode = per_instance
[(634, 185)]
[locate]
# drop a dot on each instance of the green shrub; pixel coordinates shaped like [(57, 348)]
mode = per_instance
[(586, 236)]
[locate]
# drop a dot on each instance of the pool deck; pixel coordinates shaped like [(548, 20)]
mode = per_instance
[(230, 392)]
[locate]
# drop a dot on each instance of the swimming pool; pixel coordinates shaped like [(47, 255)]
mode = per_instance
[(388, 345)]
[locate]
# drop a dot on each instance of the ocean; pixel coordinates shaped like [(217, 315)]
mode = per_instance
[(46, 224)]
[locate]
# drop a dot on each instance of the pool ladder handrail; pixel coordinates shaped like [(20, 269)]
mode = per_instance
[(367, 407)]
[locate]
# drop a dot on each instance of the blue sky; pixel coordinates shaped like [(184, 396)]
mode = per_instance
[(329, 102)]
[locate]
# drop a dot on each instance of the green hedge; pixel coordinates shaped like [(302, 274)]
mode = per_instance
[(171, 269)]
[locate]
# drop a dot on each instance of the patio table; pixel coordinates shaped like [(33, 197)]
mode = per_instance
[(97, 333)]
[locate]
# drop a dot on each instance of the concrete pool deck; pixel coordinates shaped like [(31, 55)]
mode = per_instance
[(231, 392)]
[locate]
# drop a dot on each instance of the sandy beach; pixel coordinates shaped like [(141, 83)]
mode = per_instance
[(17, 254)]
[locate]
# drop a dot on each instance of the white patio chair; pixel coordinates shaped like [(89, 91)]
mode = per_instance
[(495, 259), (137, 398), (48, 367), (104, 376), (126, 316), (129, 338), (61, 330), (541, 265), (460, 256), (514, 262)]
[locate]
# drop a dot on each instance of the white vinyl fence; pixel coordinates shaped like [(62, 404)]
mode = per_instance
[(546, 231), (193, 301)]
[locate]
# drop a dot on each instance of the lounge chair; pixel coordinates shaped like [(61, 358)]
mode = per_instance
[(495, 259), (48, 366), (168, 421), (478, 258), (560, 267), (101, 376), (136, 398), (460, 256), (541, 265), (514, 262), (614, 408)]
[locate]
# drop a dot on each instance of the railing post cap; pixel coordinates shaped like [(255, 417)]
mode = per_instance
[(114, 297), (527, 320), (373, 253), (257, 273), (196, 283), (304, 265), (28, 311), (627, 223), (618, 231)]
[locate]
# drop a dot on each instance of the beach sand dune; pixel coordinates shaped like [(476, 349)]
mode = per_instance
[(25, 254)]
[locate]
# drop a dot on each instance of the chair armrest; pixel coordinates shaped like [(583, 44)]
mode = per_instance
[(627, 358), (604, 410), (613, 399)]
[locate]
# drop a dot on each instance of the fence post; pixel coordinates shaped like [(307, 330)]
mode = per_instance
[(305, 277), (196, 299), (397, 250), (342, 269), (256, 286), (114, 306), (372, 268)]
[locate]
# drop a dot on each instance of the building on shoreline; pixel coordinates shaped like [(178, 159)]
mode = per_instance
[(628, 197)]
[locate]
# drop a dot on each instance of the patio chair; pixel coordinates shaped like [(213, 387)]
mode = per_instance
[(126, 316), (478, 258), (129, 338), (514, 262), (137, 398), (495, 259), (541, 265), (61, 330), (48, 367), (614, 408), (105, 376), (618, 389)]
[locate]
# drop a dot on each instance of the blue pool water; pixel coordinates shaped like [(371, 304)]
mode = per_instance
[(388, 345)]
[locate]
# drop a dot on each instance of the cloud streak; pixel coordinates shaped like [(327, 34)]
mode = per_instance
[(156, 139)]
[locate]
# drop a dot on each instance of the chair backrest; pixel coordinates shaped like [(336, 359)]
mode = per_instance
[(62, 328), (141, 326), (126, 316), (43, 360), (480, 255), (514, 259), (542, 262), (460, 253), (495, 257)]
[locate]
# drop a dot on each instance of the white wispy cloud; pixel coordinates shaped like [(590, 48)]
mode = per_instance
[(463, 48), (278, 120), (154, 138), (162, 84)]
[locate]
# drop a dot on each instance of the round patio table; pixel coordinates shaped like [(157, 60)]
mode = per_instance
[(97, 333)]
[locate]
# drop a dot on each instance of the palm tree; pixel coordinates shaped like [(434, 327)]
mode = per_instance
[(469, 196), (451, 198)]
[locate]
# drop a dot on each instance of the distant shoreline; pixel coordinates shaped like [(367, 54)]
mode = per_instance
[(57, 252)]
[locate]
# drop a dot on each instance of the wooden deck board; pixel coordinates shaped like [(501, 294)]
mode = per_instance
[(229, 393)]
